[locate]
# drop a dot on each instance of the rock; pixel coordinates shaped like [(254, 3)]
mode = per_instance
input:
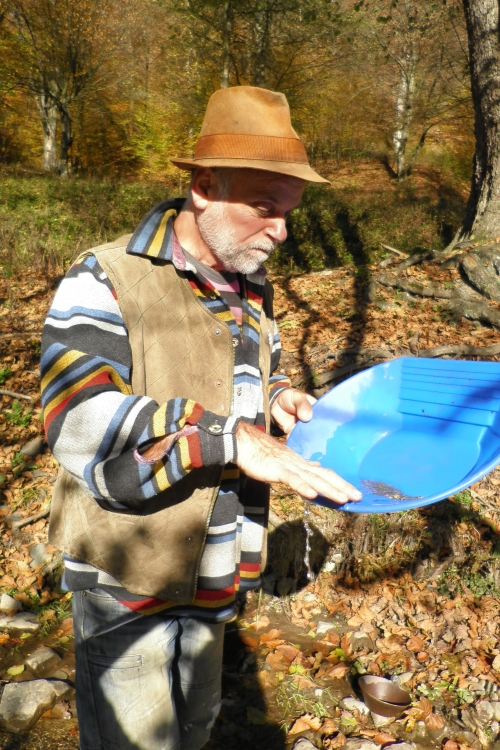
[(323, 627), (7, 603), (303, 744), (402, 679), (464, 737), (22, 622), (43, 661), (403, 746), (60, 674), (359, 744), (496, 663), (381, 721), (360, 640), (352, 704), (470, 719), (420, 732), (329, 567), (23, 703), (496, 710), (39, 555), (63, 691), (33, 448), (337, 558), (485, 712)]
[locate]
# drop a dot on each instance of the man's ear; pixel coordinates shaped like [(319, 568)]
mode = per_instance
[(203, 187)]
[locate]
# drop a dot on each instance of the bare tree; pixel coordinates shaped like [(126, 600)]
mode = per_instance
[(419, 70), (57, 49)]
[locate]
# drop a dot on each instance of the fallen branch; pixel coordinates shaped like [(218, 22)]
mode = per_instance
[(31, 519), (394, 250), (461, 350), (415, 287), (414, 260), (12, 394)]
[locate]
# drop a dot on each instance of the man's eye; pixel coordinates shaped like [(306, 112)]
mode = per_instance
[(263, 211)]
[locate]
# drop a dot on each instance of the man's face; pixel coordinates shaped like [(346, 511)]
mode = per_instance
[(243, 229)]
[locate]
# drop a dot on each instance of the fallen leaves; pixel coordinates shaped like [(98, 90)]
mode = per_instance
[(304, 723)]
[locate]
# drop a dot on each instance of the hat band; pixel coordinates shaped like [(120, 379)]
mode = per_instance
[(242, 146)]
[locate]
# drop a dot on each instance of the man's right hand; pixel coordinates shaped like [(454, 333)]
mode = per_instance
[(262, 457)]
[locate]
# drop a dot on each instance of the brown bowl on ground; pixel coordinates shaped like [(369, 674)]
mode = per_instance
[(382, 696)]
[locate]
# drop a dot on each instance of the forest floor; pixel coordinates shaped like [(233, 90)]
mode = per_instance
[(413, 596)]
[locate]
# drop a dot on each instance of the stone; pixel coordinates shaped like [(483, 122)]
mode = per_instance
[(496, 663), (360, 640), (352, 704), (470, 719), (39, 555), (381, 721), (303, 744), (464, 737), (403, 746), (420, 732), (402, 679), (43, 661), (337, 558), (21, 622), (359, 744), (329, 567), (8, 603), (23, 703), (496, 710), (60, 674), (33, 448), (485, 712), (323, 627)]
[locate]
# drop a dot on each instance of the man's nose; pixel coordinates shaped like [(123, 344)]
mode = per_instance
[(277, 229)]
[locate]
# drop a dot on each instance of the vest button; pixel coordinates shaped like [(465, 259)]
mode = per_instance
[(235, 343), (218, 382), (189, 539), (213, 295), (217, 331), (215, 429)]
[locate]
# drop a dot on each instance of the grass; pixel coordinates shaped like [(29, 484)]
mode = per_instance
[(46, 221)]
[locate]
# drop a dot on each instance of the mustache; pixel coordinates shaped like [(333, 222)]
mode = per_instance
[(267, 247)]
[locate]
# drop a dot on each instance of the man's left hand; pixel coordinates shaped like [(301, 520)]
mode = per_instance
[(291, 406)]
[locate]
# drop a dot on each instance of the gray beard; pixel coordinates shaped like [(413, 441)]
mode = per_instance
[(216, 232)]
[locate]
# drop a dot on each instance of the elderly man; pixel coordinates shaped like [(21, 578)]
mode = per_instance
[(158, 394)]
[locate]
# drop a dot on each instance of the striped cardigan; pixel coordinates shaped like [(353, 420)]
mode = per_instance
[(96, 426)]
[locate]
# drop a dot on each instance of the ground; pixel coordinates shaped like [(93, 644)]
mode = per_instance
[(412, 595)]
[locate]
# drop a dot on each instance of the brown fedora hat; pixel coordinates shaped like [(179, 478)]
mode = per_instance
[(250, 127)]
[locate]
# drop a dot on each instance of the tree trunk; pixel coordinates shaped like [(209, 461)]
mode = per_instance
[(226, 45), (404, 112), (48, 117), (66, 141), (261, 36), (482, 216)]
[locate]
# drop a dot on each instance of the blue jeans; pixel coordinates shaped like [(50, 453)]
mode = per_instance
[(143, 682)]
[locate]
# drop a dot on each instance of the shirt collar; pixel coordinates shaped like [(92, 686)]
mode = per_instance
[(155, 238)]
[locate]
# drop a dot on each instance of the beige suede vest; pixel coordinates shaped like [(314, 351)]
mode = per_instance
[(179, 349)]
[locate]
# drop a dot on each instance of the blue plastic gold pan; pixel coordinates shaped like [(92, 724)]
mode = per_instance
[(407, 433)]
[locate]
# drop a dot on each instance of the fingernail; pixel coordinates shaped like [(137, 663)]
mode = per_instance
[(356, 495)]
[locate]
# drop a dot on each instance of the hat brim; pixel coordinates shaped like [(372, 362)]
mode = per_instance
[(293, 169)]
